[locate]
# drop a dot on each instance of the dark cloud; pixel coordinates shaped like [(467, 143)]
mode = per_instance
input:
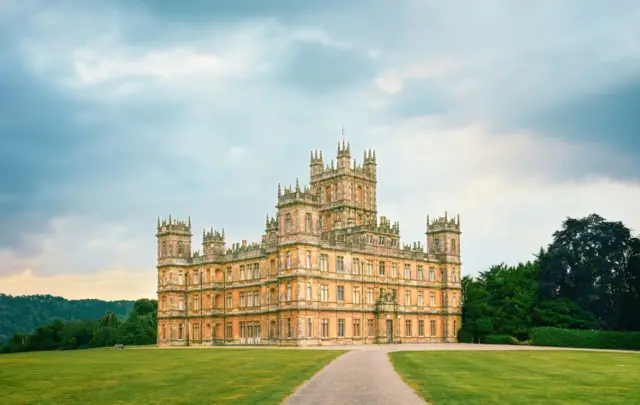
[(319, 69), (419, 98), (610, 118)]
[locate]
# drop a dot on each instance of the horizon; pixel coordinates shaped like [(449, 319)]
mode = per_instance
[(113, 114)]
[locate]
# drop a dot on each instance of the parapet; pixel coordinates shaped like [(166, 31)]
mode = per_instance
[(297, 195), (442, 224), (387, 227), (212, 235), (172, 225)]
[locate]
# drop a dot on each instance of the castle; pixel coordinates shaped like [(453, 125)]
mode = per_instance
[(325, 272)]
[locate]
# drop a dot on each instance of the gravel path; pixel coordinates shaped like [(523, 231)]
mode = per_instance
[(357, 377)]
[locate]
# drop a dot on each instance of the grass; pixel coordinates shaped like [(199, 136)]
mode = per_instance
[(194, 376), (521, 377)]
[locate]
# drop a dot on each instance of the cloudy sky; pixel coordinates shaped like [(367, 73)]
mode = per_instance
[(513, 114)]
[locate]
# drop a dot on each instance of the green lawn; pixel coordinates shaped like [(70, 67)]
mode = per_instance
[(521, 377), (148, 376)]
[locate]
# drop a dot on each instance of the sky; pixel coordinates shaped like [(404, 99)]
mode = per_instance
[(514, 115)]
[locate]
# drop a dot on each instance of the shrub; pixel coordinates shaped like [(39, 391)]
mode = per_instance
[(464, 336), (586, 339), (501, 340)]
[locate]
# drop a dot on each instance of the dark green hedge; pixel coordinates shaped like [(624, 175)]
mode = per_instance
[(587, 339), (464, 336), (501, 340)]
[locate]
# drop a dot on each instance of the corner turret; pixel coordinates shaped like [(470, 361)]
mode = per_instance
[(174, 238)]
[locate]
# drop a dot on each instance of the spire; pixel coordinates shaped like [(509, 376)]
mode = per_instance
[(297, 185), (343, 137), (189, 221), (320, 155), (279, 190), (169, 218), (203, 233), (158, 222), (311, 157)]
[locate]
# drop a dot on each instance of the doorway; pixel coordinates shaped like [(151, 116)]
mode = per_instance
[(389, 331)]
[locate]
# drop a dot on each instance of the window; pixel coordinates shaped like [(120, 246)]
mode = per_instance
[(407, 298), (432, 275), (381, 273), (324, 262), (369, 267), (180, 278), (179, 248), (356, 328), (454, 276), (432, 330), (309, 327), (288, 261), (420, 299), (308, 259), (242, 275), (229, 300), (180, 304), (229, 275), (287, 223), (250, 299), (308, 291), (288, 327), (243, 331), (369, 327), (432, 299), (229, 330), (369, 239), (421, 328), (180, 331), (324, 293), (454, 300), (164, 303), (164, 249), (325, 328), (242, 300), (394, 270), (419, 274), (307, 223), (196, 303), (171, 303), (394, 242), (369, 295), (164, 332), (407, 328), (355, 266), (436, 244), (340, 293), (339, 264), (407, 271), (381, 241), (289, 291), (455, 328), (341, 327), (453, 246), (356, 295)]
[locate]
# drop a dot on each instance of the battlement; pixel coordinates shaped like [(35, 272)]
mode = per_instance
[(212, 235), (295, 195), (385, 226), (415, 247), (172, 225), (442, 224), (344, 150), (245, 247), (316, 157), (370, 157)]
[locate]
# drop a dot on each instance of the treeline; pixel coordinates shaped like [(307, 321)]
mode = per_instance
[(25, 313), (138, 328), (588, 278)]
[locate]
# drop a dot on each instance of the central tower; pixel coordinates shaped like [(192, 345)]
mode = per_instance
[(346, 192)]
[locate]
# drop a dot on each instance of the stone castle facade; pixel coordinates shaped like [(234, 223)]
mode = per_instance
[(326, 271)]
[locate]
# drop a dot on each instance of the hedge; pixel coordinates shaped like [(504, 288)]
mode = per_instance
[(501, 340), (464, 336), (585, 339)]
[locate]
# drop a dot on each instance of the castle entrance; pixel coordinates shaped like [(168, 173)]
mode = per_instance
[(389, 330)]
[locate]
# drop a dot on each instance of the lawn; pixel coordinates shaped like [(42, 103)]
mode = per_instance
[(157, 376), (521, 377)]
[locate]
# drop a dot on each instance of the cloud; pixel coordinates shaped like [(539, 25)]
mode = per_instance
[(112, 113)]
